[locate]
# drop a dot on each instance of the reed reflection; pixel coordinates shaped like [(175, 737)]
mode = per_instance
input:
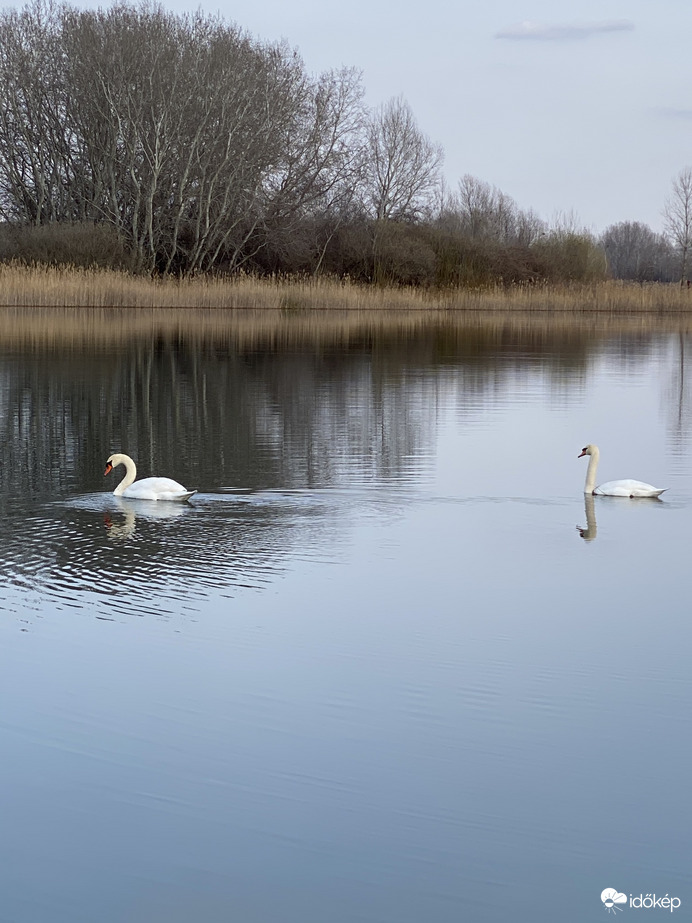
[(259, 401)]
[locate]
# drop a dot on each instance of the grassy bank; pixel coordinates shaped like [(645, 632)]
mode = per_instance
[(41, 286)]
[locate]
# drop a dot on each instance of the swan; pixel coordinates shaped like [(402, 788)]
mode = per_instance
[(625, 488), (147, 488)]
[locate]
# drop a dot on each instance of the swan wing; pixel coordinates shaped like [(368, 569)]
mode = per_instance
[(628, 488), (157, 489)]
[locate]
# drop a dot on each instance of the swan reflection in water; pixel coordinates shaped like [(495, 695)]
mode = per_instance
[(589, 533), (127, 512)]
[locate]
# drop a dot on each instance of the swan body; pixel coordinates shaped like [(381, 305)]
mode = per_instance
[(146, 488), (624, 488)]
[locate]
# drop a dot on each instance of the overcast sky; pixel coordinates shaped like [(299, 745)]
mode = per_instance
[(583, 109)]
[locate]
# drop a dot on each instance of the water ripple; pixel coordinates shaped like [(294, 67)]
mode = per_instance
[(114, 556)]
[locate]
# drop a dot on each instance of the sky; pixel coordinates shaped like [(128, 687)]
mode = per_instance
[(581, 111)]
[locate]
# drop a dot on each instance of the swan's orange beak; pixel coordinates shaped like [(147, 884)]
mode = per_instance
[(108, 470), (578, 456)]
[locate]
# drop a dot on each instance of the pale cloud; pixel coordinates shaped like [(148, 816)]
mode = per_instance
[(567, 32), (670, 112)]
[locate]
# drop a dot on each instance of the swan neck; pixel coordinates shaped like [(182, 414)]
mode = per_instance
[(590, 483), (130, 475)]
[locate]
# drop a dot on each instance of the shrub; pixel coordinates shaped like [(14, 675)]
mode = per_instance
[(64, 244)]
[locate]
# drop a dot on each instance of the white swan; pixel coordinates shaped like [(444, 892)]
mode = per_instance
[(626, 488), (147, 488)]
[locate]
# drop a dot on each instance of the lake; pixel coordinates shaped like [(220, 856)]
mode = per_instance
[(387, 665)]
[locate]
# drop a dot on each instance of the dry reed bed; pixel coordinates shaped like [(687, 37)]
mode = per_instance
[(45, 286)]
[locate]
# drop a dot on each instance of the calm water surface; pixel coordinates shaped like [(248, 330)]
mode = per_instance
[(373, 672)]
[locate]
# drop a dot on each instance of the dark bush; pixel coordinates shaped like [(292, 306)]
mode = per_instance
[(83, 245)]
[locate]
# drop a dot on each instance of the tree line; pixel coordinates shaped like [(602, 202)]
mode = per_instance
[(178, 144)]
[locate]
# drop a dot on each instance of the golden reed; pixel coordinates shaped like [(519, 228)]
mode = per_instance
[(47, 286)]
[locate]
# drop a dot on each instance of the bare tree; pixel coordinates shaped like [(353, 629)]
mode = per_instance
[(184, 118), (191, 139), (530, 227), (400, 178), (35, 127), (486, 211), (483, 212), (636, 252), (403, 165), (310, 192), (570, 251), (677, 216)]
